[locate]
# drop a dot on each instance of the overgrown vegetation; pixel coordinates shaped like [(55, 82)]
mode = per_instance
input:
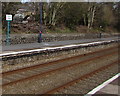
[(68, 16)]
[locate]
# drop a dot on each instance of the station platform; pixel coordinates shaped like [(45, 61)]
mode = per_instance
[(111, 88), (29, 46), (108, 88)]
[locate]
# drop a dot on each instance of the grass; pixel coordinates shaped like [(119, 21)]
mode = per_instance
[(62, 30), (59, 30)]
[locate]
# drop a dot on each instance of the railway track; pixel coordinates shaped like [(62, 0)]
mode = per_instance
[(65, 76), (84, 83), (12, 77)]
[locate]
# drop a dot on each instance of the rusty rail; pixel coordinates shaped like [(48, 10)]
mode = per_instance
[(54, 62), (80, 78), (58, 69)]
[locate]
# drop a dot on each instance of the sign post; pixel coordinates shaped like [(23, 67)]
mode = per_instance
[(8, 19), (40, 32)]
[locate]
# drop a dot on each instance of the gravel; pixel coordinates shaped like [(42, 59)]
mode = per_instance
[(42, 84), (84, 86), (38, 70)]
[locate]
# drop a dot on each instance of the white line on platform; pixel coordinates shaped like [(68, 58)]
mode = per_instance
[(102, 85), (50, 48)]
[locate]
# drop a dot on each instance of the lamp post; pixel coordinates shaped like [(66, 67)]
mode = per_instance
[(100, 31), (40, 32)]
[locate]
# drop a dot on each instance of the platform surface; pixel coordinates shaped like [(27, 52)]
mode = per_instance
[(112, 88), (19, 47)]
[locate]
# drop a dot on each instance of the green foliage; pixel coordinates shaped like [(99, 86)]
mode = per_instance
[(8, 8), (37, 17), (72, 14), (59, 30)]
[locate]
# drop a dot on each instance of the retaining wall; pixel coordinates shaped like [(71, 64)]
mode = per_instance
[(33, 38)]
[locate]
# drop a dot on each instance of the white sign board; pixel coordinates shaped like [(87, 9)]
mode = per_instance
[(9, 17)]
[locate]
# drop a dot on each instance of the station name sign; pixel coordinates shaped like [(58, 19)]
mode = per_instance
[(8, 17)]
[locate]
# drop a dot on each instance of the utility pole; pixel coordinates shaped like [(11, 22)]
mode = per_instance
[(40, 32)]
